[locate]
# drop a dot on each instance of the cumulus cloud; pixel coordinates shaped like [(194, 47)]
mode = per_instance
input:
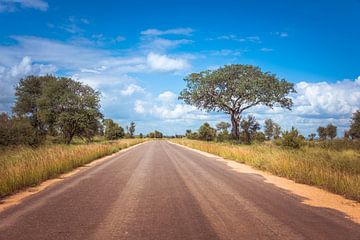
[(13, 5), (164, 63), (131, 89), (173, 31), (11, 75)]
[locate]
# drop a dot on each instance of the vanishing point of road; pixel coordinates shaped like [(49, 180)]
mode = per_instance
[(158, 190)]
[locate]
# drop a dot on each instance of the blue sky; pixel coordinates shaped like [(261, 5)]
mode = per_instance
[(138, 52)]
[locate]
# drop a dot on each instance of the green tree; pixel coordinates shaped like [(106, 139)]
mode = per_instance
[(249, 128), (113, 130), (354, 130), (312, 136), (291, 139), (277, 131), (18, 131), (206, 132), (131, 129), (331, 131), (322, 133), (223, 133), (27, 93), (70, 107), (234, 88), (269, 129)]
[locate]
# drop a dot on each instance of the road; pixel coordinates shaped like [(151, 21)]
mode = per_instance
[(159, 190)]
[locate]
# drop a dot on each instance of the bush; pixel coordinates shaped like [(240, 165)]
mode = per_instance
[(291, 139)]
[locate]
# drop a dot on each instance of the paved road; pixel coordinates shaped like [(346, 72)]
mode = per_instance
[(158, 190)]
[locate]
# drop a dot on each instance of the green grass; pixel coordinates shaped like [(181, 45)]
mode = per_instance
[(337, 171), (23, 167)]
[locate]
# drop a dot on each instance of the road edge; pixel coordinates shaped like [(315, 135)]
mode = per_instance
[(18, 197), (314, 196)]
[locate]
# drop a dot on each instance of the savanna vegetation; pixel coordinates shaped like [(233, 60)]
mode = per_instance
[(321, 159), (55, 126)]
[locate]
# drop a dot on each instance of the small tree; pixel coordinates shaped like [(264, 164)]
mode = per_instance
[(206, 132), (354, 130), (223, 133), (322, 133), (249, 128), (277, 131), (113, 130), (233, 89), (312, 136), (331, 131), (131, 129), (269, 129), (291, 139)]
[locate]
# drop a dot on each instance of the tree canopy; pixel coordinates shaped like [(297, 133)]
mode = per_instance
[(233, 89)]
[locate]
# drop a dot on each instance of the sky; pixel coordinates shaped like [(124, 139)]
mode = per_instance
[(137, 54)]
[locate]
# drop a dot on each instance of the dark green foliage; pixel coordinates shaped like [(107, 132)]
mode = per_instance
[(113, 130), (322, 133), (223, 133), (18, 131), (156, 134), (331, 131), (291, 139), (312, 136), (260, 137), (277, 131), (249, 128), (191, 135), (131, 129), (59, 106), (354, 130), (206, 132), (234, 88)]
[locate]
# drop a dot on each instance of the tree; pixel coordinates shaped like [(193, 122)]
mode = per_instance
[(312, 136), (277, 131), (113, 130), (269, 129), (191, 135), (18, 131), (70, 108), (156, 134), (331, 131), (322, 133), (131, 129), (249, 127), (223, 134), (206, 132), (27, 93), (233, 89), (354, 130), (291, 139)]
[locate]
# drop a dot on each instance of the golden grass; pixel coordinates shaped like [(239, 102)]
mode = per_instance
[(24, 166), (335, 171)]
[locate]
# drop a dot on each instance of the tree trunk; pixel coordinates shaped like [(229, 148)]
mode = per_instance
[(235, 121)]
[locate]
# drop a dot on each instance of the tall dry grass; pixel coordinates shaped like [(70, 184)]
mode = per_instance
[(24, 166), (337, 171)]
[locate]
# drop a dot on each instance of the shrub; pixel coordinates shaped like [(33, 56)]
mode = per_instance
[(291, 139)]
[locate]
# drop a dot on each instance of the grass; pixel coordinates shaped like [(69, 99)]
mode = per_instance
[(23, 167), (337, 171)]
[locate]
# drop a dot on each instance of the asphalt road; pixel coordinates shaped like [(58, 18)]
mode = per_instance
[(158, 190)]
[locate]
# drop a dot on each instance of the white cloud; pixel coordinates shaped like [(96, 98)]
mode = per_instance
[(233, 37), (173, 31), (162, 43), (164, 63), (139, 106), (11, 75), (266, 49), (167, 96), (131, 89), (13, 5)]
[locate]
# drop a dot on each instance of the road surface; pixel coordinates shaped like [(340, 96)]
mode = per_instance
[(159, 190)]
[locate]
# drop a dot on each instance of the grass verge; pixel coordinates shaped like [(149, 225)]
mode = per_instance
[(337, 171), (24, 167)]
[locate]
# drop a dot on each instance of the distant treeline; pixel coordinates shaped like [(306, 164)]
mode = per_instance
[(250, 132)]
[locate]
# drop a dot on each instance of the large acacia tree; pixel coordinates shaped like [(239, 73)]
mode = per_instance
[(233, 89)]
